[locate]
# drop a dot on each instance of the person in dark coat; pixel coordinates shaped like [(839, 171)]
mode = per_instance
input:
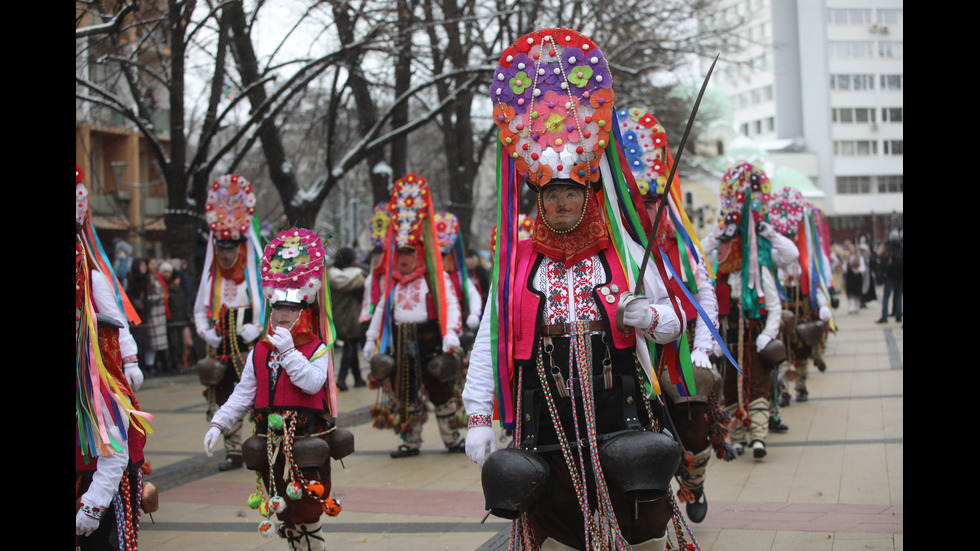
[(346, 292)]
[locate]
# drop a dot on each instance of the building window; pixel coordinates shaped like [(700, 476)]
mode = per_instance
[(846, 83), (890, 17), (855, 148), (891, 184), (890, 50), (745, 129), (839, 16), (863, 114), (756, 96), (853, 185), (771, 124), (894, 148), (850, 50), (757, 125), (891, 114), (767, 93), (891, 82), (848, 115)]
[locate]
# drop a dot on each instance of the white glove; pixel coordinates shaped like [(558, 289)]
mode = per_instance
[(133, 375), (761, 341), (249, 332), (716, 350), (84, 524), (765, 230), (824, 313), (473, 321), (210, 439), (480, 442), (370, 349), (700, 359), (282, 339), (450, 342), (211, 337), (637, 313)]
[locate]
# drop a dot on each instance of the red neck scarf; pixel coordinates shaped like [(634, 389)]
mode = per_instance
[(418, 272), (583, 241), (237, 271)]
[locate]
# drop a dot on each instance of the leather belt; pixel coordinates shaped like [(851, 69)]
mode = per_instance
[(558, 329)]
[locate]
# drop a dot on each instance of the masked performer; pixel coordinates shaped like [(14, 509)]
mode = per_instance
[(418, 323), (562, 357), (288, 381), (229, 311)]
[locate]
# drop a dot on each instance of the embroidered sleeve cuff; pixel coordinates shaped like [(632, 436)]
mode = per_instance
[(94, 512), (479, 421)]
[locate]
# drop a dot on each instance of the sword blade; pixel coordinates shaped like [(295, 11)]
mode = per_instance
[(638, 288)]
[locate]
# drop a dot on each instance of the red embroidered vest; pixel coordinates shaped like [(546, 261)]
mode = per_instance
[(283, 394), (531, 307)]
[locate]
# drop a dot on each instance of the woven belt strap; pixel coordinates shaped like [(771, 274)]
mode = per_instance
[(566, 328)]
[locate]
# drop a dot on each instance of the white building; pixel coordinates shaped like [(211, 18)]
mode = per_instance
[(819, 84)]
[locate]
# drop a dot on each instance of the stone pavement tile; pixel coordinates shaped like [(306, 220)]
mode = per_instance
[(787, 540), (865, 542), (743, 540), (864, 479)]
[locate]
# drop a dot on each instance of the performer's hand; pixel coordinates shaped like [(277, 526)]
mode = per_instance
[(370, 350), (700, 358), (84, 524), (282, 339), (210, 439), (480, 442), (473, 321), (825, 313), (638, 313), (249, 332), (761, 341), (133, 375), (450, 342), (212, 338), (764, 229)]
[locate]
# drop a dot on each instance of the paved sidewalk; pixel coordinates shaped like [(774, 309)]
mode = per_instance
[(833, 482)]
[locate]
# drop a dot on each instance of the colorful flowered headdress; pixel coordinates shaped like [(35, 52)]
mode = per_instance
[(552, 96), (230, 207), (786, 208), (293, 268), (744, 185), (410, 204), (81, 198), (645, 147), (379, 225), (447, 231), (525, 224)]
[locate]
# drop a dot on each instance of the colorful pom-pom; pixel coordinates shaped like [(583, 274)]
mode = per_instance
[(275, 421), (294, 491), (267, 529), (255, 500), (315, 488), (277, 504)]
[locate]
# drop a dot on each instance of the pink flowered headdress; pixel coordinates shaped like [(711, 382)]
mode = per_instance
[(786, 209), (293, 267)]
